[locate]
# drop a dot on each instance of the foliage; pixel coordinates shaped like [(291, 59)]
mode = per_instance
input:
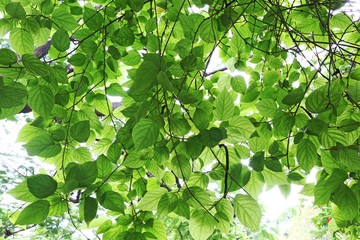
[(284, 101)]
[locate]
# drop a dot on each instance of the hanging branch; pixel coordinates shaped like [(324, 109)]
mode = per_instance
[(226, 169)]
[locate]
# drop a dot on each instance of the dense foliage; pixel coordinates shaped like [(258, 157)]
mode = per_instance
[(219, 98)]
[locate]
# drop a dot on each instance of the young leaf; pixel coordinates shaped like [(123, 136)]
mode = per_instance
[(21, 41), (80, 131), (150, 200), (35, 213), (248, 211), (64, 19), (21, 192), (41, 185), (238, 84), (266, 107), (145, 133), (224, 106), (201, 224)]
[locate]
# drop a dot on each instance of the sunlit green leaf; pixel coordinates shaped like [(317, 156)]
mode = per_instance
[(306, 154), (247, 211), (145, 133), (41, 100), (35, 213), (21, 41), (201, 224), (61, 40), (150, 201)]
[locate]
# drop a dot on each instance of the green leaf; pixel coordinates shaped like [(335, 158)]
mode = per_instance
[(271, 77), (104, 166), (255, 184), (211, 138), (283, 123), (7, 57), (131, 59), (158, 229), (113, 201), (93, 19), (164, 80), (354, 90), (274, 178), (78, 59), (90, 209), (239, 176), (124, 37), (80, 131), (179, 125), (224, 106), (225, 206), (12, 95), (345, 199), (257, 161), (349, 125), (321, 193), (247, 211), (294, 97), (58, 205), (47, 7), (41, 185), (21, 192), (306, 154), (337, 177), (317, 101), (145, 77), (43, 146), (145, 133), (41, 100), (202, 118), (34, 66), (64, 19), (16, 10), (35, 213), (21, 41), (238, 84), (150, 200), (81, 154), (196, 197), (61, 40), (167, 203), (355, 74), (201, 224), (267, 107), (181, 166)]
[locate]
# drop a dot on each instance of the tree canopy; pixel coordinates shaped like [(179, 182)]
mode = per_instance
[(218, 99)]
